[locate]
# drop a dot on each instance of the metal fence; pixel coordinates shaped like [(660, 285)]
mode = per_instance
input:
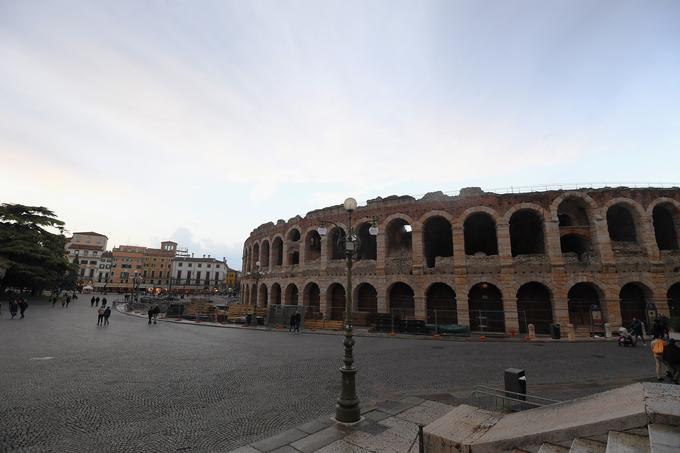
[(503, 400)]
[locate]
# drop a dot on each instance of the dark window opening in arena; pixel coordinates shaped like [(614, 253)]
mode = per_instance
[(264, 255), (665, 223), (367, 305), (311, 299), (337, 297), (572, 213), (486, 308), (674, 301), (438, 239), (441, 305), (291, 295), (295, 258), (369, 244), (336, 241), (276, 294), (526, 233), (256, 255), (263, 296), (480, 235), (277, 248), (294, 235), (633, 302), (534, 307), (575, 244), (246, 295), (253, 295), (398, 238), (402, 302), (620, 224), (312, 246), (582, 298)]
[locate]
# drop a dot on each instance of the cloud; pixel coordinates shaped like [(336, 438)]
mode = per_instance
[(207, 246)]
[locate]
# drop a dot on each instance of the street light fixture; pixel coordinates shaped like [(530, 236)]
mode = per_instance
[(347, 409), (257, 274)]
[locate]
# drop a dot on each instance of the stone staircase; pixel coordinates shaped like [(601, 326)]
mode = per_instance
[(639, 418)]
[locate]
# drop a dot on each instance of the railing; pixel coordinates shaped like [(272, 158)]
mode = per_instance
[(571, 186), (509, 401)]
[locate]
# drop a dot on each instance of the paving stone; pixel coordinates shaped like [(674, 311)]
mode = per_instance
[(246, 449), (318, 440), (411, 400), (315, 425), (399, 427), (340, 446), (285, 449), (377, 415), (425, 413), (279, 440), (394, 407)]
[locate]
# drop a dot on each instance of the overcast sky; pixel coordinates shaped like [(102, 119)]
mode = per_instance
[(200, 120)]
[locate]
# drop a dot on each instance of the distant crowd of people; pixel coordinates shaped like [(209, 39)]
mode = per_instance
[(17, 302)]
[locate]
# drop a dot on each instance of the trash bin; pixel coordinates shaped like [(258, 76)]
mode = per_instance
[(555, 331), (515, 383)]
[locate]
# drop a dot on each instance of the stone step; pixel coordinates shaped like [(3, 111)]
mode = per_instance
[(619, 442), (551, 448), (664, 438), (587, 446)]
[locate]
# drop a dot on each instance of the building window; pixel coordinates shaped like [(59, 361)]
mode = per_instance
[(200, 265)]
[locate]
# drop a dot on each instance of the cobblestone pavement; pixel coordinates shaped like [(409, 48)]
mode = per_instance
[(68, 385)]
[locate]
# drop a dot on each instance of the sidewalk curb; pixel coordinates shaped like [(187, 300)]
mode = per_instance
[(363, 334)]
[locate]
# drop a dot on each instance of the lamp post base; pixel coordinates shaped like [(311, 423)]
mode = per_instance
[(347, 409)]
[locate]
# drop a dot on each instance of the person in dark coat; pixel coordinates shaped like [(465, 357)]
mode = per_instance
[(292, 322), (96, 301), (671, 358), (92, 302), (13, 307), (150, 313), (107, 313), (156, 311), (298, 319), (636, 330), (23, 305)]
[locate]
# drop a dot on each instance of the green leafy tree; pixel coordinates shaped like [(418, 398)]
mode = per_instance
[(35, 255)]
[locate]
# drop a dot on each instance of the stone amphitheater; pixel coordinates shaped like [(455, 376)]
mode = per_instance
[(495, 262)]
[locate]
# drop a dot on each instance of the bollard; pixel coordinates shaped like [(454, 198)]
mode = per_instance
[(532, 331), (571, 332), (421, 445), (607, 330)]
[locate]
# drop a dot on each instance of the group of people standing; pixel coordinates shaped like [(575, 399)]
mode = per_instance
[(65, 299), (17, 303), (103, 312), (665, 351), (295, 319)]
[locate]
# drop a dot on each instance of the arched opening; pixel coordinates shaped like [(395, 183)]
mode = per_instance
[(245, 259), (275, 294), (399, 238), (336, 240), (572, 212), (264, 254), (526, 233), (401, 300), (246, 298), (582, 298), (336, 293), (294, 235), (674, 301), (534, 307), (366, 298), (264, 301), (312, 246), (369, 244), (621, 224), (311, 298), (480, 235), (665, 226), (437, 239), (294, 258), (253, 295), (574, 244), (486, 308), (633, 300), (441, 304), (256, 255), (277, 249), (291, 294)]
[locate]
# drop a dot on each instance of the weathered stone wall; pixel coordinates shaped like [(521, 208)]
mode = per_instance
[(608, 266)]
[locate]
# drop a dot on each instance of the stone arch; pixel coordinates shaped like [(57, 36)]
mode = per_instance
[(635, 211), (293, 234), (666, 222), (256, 255), (401, 300), (479, 232), (275, 294), (673, 298), (398, 233), (253, 295), (485, 302), (584, 197), (440, 304), (369, 243), (534, 306), (312, 248), (263, 296), (580, 298), (311, 299), (538, 209), (633, 298), (336, 250), (622, 224), (575, 215), (527, 232), (246, 299), (292, 294), (366, 299), (336, 301), (437, 234), (277, 251), (264, 253)]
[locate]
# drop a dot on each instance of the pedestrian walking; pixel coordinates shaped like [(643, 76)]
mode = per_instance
[(658, 345), (100, 316), (103, 301), (23, 305), (636, 330), (150, 313), (107, 313), (292, 322), (68, 300), (96, 301), (298, 318), (156, 311), (92, 302), (54, 301), (13, 307)]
